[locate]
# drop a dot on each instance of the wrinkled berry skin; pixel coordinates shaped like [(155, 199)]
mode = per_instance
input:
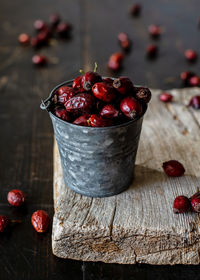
[(39, 60), (131, 107), (40, 220), (109, 111), (89, 79), (173, 168), (143, 94), (165, 97), (115, 61), (4, 222), (152, 51), (190, 55), (195, 102), (64, 94), (82, 120), (16, 197), (24, 39), (181, 204), (135, 10), (98, 121), (195, 202), (62, 114), (123, 85), (194, 81), (77, 84), (104, 92), (154, 30), (81, 103)]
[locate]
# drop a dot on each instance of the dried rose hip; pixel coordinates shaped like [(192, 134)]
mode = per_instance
[(63, 29), (54, 19), (39, 25), (165, 97), (131, 107), (77, 84), (82, 120), (62, 114), (195, 202), (89, 79), (109, 111), (24, 39), (123, 85), (98, 121), (64, 94), (80, 103), (40, 220), (115, 61), (124, 41), (151, 50), (4, 222), (39, 60), (43, 37), (154, 30), (16, 197), (173, 168), (181, 204), (186, 75), (135, 10), (195, 102), (190, 55), (104, 92), (143, 94), (194, 81)]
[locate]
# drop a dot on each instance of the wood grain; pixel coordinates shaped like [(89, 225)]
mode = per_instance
[(138, 226)]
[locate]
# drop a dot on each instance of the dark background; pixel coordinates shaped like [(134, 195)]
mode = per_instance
[(26, 134)]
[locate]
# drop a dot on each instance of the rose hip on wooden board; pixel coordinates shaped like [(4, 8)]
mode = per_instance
[(190, 55), (123, 85), (166, 97), (89, 79), (186, 75), (40, 220), (24, 39), (82, 120), (124, 41), (63, 29), (194, 81), (131, 107), (54, 19), (115, 61), (62, 113), (104, 92), (154, 30), (39, 25), (109, 111), (65, 93), (39, 60), (77, 84), (195, 102), (99, 121), (135, 10), (143, 94), (152, 50), (81, 103), (181, 204), (173, 168), (16, 197), (4, 222)]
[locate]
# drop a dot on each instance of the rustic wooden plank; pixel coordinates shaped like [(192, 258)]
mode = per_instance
[(138, 225)]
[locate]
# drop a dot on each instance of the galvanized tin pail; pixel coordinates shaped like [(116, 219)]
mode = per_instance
[(99, 161)]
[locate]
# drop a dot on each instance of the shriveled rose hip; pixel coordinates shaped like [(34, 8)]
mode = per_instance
[(62, 114), (166, 97), (123, 85), (98, 121), (77, 84), (173, 168), (80, 103), (39, 60), (195, 202), (4, 222), (195, 102), (154, 30), (109, 111), (131, 107), (115, 61), (143, 94), (16, 197), (190, 55), (194, 81), (89, 79), (104, 92), (151, 50), (135, 10), (181, 204), (24, 39), (82, 120), (65, 93), (40, 220)]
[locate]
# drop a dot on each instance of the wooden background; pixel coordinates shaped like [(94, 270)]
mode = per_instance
[(26, 140)]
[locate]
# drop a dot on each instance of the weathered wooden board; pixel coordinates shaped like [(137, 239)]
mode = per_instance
[(139, 225)]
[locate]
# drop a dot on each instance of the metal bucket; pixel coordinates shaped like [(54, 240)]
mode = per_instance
[(96, 161)]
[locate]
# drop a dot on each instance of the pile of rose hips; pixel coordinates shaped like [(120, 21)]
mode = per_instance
[(44, 32), (40, 219), (98, 102)]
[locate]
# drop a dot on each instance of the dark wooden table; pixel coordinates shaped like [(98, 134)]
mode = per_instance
[(26, 134)]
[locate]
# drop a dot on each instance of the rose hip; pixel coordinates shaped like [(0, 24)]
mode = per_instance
[(195, 102), (77, 84), (190, 55), (151, 50), (16, 197), (123, 85), (104, 92), (39, 25), (173, 168), (63, 29), (4, 222), (39, 60), (54, 19), (81, 103), (143, 94), (195, 202), (181, 204), (115, 61), (62, 114), (124, 41), (82, 120), (165, 97), (40, 220), (194, 81), (135, 10), (98, 121), (131, 107), (65, 93), (24, 39), (109, 111), (89, 79), (186, 75), (154, 30)]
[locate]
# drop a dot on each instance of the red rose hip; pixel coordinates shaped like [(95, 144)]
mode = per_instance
[(62, 114), (77, 84), (190, 55), (81, 103), (173, 168), (135, 10), (194, 81), (115, 61), (104, 92), (54, 19), (124, 41), (195, 102), (40, 220), (39, 25), (24, 39), (165, 97), (195, 202), (4, 222), (16, 197), (123, 85), (143, 94), (82, 120), (89, 79), (98, 121), (181, 204), (131, 107), (63, 29), (154, 30), (109, 111)]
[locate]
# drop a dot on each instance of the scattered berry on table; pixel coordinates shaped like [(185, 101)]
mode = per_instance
[(40, 220), (16, 197), (173, 168)]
